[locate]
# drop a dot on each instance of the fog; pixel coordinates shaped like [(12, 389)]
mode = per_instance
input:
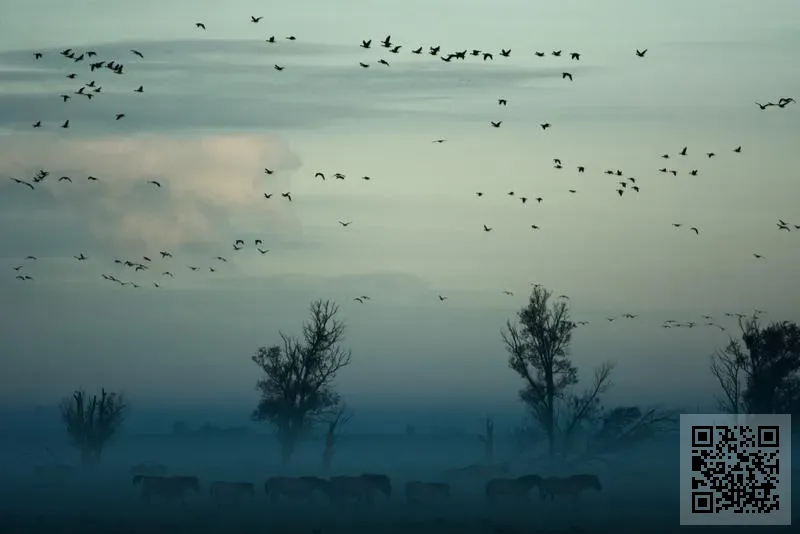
[(639, 487)]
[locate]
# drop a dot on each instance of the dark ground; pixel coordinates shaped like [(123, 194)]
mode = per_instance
[(640, 492)]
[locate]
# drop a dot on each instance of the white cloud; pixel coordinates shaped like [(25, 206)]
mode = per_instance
[(205, 182)]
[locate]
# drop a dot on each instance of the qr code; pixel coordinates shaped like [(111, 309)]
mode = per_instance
[(732, 470)]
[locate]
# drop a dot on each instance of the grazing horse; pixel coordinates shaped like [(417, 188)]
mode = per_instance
[(294, 488), (230, 492), (571, 485), (418, 492), (170, 488), (518, 488), (152, 469), (361, 489)]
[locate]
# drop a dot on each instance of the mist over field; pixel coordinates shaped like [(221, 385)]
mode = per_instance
[(362, 266)]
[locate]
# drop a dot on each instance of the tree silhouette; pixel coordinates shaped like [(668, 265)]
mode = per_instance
[(487, 439), (92, 422), (538, 347), (335, 424), (761, 372), (297, 387)]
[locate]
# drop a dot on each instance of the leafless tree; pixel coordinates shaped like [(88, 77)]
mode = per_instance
[(624, 427), (538, 347), (583, 409), (335, 424), (487, 438), (760, 373), (297, 386), (727, 366), (92, 422)]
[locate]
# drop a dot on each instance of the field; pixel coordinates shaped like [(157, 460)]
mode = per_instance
[(640, 492)]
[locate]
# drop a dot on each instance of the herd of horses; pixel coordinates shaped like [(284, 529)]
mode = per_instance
[(366, 489)]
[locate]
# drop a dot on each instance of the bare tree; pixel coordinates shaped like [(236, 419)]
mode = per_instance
[(727, 366), (92, 422), (584, 408), (760, 373), (335, 424), (538, 347), (487, 438), (297, 387), (624, 427)]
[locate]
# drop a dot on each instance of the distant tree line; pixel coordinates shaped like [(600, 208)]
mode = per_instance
[(758, 373)]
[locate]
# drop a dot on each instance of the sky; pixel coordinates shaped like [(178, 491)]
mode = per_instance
[(214, 113)]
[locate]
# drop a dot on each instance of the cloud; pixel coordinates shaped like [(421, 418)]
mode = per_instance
[(206, 182), (232, 84)]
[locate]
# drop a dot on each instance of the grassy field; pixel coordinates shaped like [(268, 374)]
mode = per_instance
[(640, 492)]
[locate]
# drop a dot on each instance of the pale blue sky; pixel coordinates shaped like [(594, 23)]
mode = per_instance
[(214, 113)]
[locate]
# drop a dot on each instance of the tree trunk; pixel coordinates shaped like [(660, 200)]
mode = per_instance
[(489, 442), (550, 425), (288, 444), (90, 457)]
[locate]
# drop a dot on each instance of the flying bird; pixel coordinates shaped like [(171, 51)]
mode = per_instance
[(641, 53), (566, 75), (23, 182), (154, 182), (136, 52), (345, 224), (200, 25), (496, 124), (268, 171), (287, 196), (255, 19)]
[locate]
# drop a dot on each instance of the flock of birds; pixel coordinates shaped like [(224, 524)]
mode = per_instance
[(625, 184)]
